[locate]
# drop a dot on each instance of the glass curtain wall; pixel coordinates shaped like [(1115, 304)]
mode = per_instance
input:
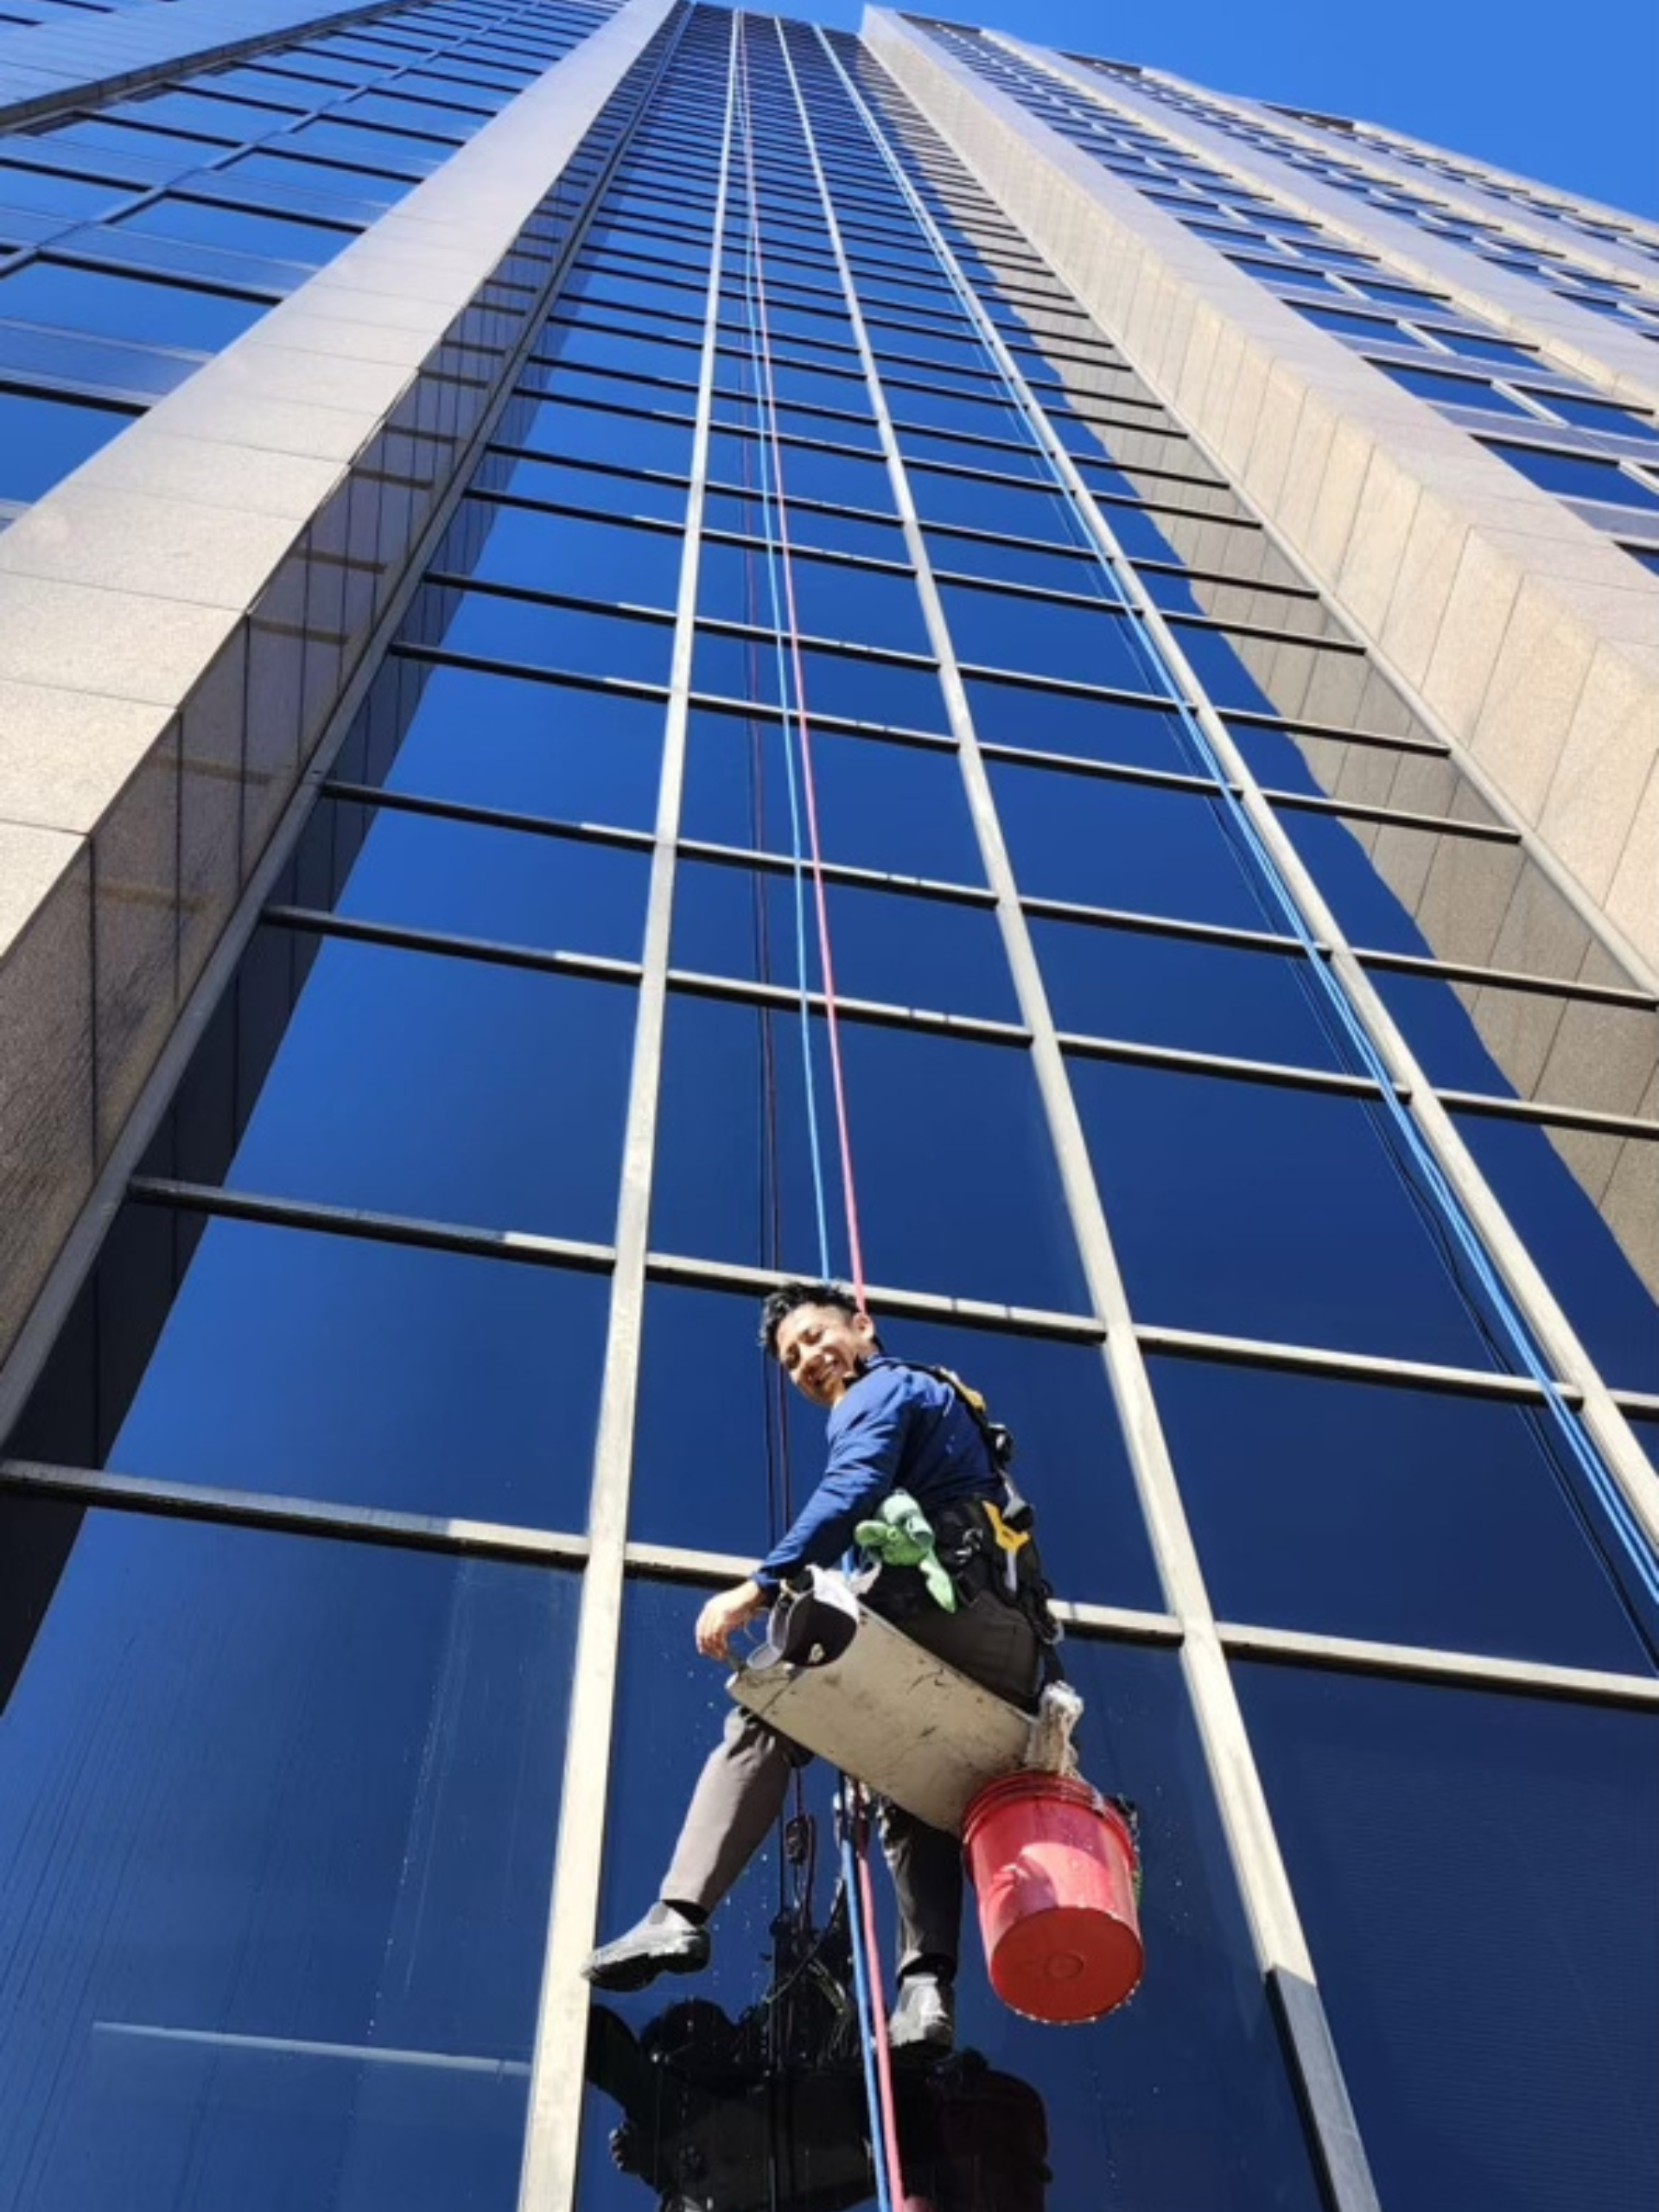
[(427, 1320), (140, 234), (1556, 429)]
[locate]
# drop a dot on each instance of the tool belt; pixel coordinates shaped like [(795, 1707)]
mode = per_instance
[(981, 1552)]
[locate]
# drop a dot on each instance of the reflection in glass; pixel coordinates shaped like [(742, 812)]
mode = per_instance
[(957, 1187), (1399, 1516), (277, 1830), (1241, 1207), (1178, 2100), (1476, 1875), (415, 1082)]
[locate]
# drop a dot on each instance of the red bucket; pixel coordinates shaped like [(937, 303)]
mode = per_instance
[(1053, 1864)]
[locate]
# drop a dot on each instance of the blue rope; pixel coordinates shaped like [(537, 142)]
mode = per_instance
[(1420, 1160)]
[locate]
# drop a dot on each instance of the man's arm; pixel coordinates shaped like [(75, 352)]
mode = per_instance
[(867, 1440)]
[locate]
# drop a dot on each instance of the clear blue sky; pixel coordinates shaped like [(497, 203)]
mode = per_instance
[(1567, 95)]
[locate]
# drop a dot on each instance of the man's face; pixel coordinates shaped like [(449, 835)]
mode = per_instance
[(820, 1350)]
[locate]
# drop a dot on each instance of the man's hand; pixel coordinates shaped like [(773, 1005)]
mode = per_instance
[(724, 1615)]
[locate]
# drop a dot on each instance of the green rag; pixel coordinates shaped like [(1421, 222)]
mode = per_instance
[(903, 1536)]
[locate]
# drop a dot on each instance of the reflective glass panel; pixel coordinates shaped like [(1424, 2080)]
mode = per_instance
[(1586, 1205), (1399, 1516), (1181, 992), (1455, 1853), (42, 439), (1103, 842), (414, 1083), (900, 808), (276, 1837), (557, 750), (126, 307), (559, 894), (931, 1117), (906, 951), (1180, 2101), (1089, 729), (1240, 1207)]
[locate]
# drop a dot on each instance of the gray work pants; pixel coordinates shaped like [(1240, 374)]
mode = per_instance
[(741, 1789)]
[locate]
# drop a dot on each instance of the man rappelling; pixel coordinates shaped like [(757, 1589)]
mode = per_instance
[(917, 1475)]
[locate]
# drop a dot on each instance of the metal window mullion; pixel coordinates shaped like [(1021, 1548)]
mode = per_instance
[(1541, 1311), (552, 2133), (1281, 1945)]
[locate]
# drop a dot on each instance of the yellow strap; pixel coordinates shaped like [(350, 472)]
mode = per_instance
[(1011, 1539)]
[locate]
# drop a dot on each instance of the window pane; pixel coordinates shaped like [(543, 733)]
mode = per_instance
[(1089, 729), (571, 640), (125, 307), (339, 1368), (1396, 1516), (277, 1830), (914, 952), (414, 1083), (494, 740), (845, 684), (597, 560), (42, 439), (1240, 1207), (559, 894), (1136, 847), (1587, 1206), (1196, 997), (973, 1127), (1195, 2065), (1576, 475), (1418, 1825), (241, 230), (899, 808)]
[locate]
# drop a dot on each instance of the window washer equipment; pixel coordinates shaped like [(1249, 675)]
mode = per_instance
[(1053, 1863)]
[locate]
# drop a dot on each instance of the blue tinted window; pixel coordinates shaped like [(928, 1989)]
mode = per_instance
[(276, 1829), (1089, 729), (1196, 2062), (1241, 1207), (1103, 843), (855, 605), (842, 683), (240, 229), (968, 1120), (432, 1383), (570, 754), (417, 1083), (1544, 1179), (42, 439), (1084, 644), (907, 951), (1441, 1842), (599, 559), (77, 199), (1595, 415), (895, 807), (1390, 1514), (1453, 392), (125, 307), (1576, 476), (281, 170), (572, 641), (1174, 991), (1487, 349), (1391, 886), (560, 894)]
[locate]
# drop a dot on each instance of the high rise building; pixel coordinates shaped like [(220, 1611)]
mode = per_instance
[(515, 504)]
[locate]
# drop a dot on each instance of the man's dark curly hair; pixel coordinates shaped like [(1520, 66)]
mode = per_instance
[(782, 1301)]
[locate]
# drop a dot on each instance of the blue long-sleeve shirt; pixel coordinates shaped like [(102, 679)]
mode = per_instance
[(897, 1428)]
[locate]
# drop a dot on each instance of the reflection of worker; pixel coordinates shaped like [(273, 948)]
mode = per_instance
[(892, 1427)]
